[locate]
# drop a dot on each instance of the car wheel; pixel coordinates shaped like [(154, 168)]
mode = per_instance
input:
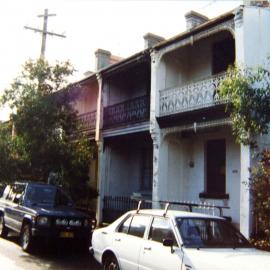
[(26, 238), (111, 263), (3, 228)]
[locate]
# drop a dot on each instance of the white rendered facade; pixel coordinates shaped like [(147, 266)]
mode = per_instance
[(184, 67), (186, 114)]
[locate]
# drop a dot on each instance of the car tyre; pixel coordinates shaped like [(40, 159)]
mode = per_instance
[(3, 228), (27, 240), (110, 263)]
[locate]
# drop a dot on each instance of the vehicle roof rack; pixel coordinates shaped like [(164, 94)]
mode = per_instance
[(190, 205)]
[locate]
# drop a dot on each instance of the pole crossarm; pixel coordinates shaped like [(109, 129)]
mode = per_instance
[(44, 31), (48, 15), (47, 32)]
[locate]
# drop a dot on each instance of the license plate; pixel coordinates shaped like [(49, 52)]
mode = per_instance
[(66, 234)]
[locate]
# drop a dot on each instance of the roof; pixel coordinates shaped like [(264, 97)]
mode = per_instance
[(224, 17), (141, 55), (26, 182), (133, 59)]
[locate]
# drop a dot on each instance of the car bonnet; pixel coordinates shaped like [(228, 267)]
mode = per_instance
[(229, 258)]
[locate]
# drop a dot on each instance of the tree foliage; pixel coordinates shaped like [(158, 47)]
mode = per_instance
[(260, 187), (8, 161), (47, 141), (249, 93)]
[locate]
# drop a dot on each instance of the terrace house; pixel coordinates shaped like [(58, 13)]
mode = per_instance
[(125, 144), (195, 157)]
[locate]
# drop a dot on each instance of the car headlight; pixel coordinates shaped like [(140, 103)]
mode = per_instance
[(75, 222), (43, 221), (62, 222)]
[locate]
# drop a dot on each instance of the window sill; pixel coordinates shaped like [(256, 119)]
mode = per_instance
[(219, 196)]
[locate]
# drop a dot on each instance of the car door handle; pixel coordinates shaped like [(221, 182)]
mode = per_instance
[(104, 233), (147, 248), (117, 239)]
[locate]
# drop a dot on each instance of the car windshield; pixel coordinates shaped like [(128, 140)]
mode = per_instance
[(209, 233), (48, 195)]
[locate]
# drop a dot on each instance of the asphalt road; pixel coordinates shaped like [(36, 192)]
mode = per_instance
[(58, 257)]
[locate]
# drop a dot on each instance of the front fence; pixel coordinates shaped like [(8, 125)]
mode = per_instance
[(114, 207)]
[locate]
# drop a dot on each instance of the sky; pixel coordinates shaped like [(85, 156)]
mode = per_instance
[(115, 25)]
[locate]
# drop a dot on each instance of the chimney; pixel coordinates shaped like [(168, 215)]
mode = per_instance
[(151, 40), (103, 58), (193, 19), (88, 73), (257, 3)]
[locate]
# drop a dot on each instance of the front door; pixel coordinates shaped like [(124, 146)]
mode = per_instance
[(216, 164)]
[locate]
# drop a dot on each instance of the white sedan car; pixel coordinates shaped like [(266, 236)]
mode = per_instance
[(174, 240)]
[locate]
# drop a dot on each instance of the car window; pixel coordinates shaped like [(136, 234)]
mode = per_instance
[(160, 230), (123, 228), (138, 225), (19, 190), (6, 192), (202, 232), (14, 193), (40, 195), (62, 199), (11, 195)]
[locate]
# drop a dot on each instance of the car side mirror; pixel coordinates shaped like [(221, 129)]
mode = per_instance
[(16, 200), (168, 242)]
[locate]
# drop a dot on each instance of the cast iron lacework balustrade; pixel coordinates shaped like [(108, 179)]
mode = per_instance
[(87, 121), (132, 111), (197, 95)]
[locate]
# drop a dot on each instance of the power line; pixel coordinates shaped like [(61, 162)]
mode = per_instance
[(44, 31)]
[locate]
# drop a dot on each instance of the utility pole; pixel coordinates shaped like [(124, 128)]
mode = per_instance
[(44, 31)]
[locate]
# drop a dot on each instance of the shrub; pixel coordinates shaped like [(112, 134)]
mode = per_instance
[(260, 188)]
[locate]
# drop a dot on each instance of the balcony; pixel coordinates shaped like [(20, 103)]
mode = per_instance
[(195, 96), (87, 121), (132, 111)]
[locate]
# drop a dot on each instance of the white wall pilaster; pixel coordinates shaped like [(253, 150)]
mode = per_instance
[(100, 184), (99, 114), (245, 195), (157, 82), (251, 29)]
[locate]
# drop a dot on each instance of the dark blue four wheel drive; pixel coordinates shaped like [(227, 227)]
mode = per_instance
[(37, 210)]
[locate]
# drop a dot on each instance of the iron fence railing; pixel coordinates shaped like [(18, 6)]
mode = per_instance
[(115, 206), (196, 95), (128, 112), (87, 121)]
